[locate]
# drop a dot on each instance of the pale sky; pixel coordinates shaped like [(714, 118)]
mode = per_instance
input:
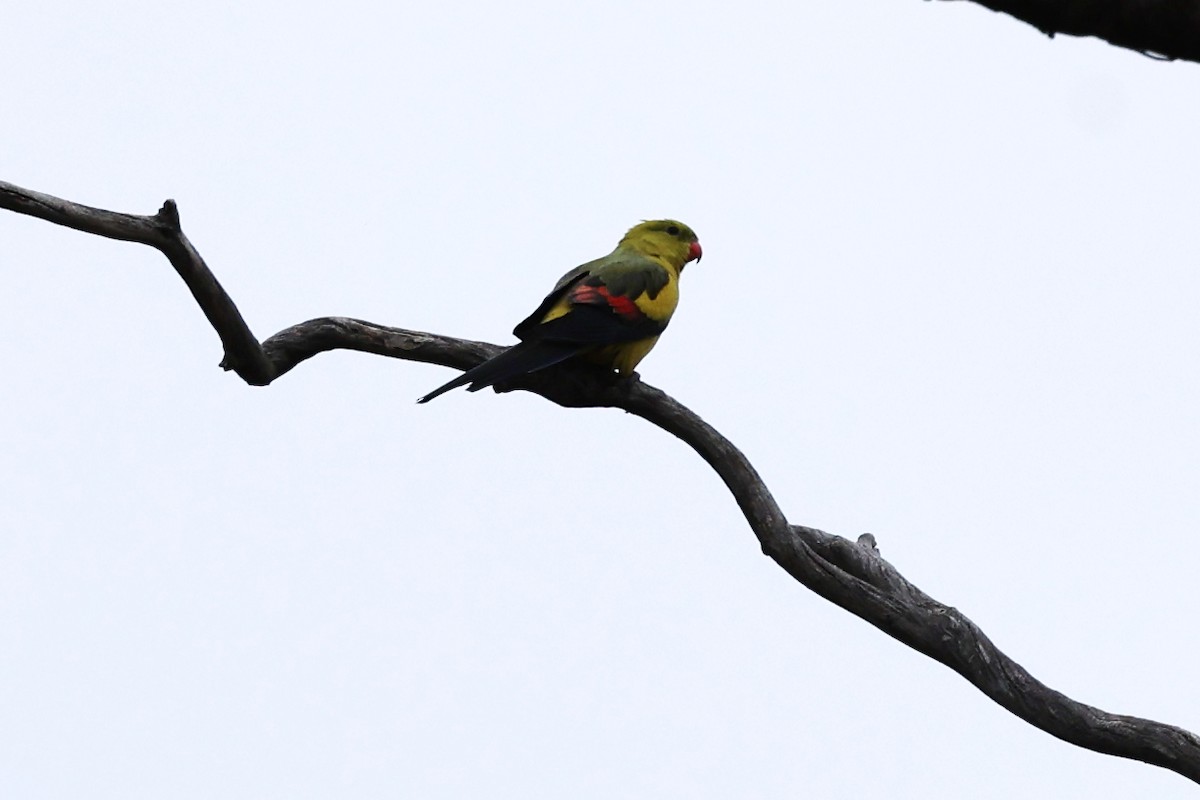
[(948, 297)]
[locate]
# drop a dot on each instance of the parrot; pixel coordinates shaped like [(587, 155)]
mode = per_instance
[(609, 312)]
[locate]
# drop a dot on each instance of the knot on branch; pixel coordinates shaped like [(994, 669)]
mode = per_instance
[(168, 216)]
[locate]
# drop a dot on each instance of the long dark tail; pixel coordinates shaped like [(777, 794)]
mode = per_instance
[(521, 358)]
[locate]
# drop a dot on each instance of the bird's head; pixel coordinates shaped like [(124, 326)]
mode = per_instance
[(666, 238)]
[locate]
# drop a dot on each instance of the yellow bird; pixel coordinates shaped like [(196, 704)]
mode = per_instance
[(610, 311)]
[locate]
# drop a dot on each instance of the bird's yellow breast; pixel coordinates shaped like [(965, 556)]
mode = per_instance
[(662, 305)]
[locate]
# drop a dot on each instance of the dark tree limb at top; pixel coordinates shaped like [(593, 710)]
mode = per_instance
[(1162, 29), (850, 574)]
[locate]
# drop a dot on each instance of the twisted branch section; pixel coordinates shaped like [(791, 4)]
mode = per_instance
[(1162, 29), (947, 635), (852, 575), (855, 577)]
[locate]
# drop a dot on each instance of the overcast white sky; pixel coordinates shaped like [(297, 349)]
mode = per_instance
[(948, 297)]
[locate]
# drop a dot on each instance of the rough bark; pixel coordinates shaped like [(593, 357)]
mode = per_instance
[(851, 574), (1163, 29)]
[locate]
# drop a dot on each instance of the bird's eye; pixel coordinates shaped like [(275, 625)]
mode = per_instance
[(673, 230)]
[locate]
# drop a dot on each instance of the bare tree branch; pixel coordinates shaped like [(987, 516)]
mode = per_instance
[(1163, 29), (850, 574)]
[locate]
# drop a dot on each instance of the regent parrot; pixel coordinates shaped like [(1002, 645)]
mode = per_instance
[(610, 311)]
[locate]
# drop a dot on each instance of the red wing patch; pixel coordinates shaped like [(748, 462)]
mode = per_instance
[(585, 294)]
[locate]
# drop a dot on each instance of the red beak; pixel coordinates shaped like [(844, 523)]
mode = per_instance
[(694, 252)]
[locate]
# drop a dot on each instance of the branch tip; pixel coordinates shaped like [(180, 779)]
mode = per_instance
[(169, 215)]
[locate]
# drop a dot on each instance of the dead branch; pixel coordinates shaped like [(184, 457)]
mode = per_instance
[(849, 574)]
